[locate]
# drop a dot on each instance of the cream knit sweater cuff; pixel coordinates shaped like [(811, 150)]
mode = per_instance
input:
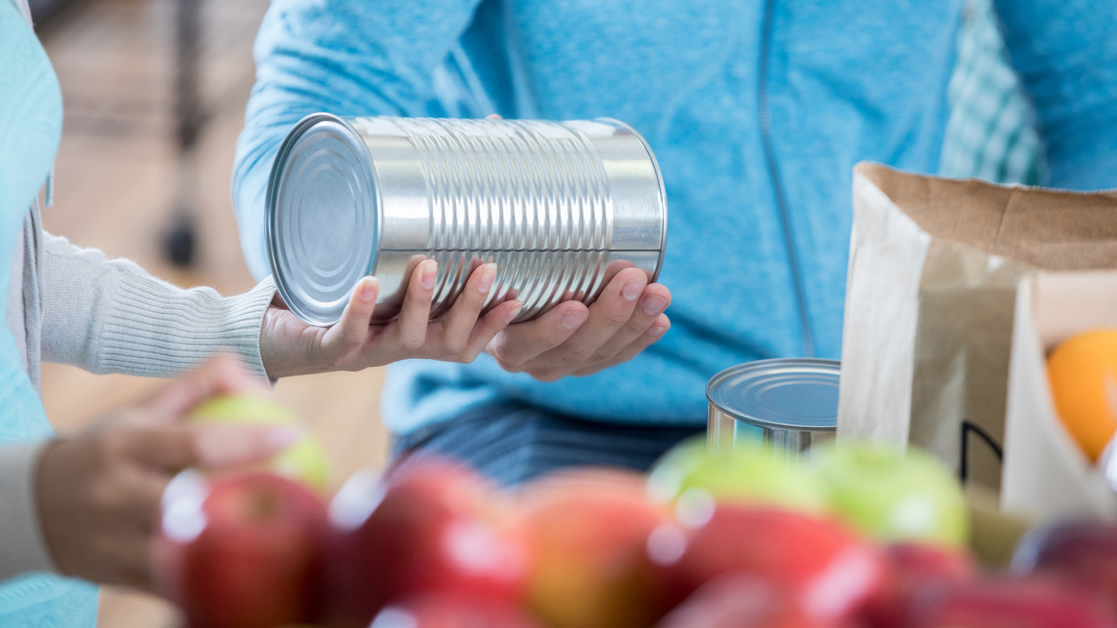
[(158, 330), (111, 316), (24, 549)]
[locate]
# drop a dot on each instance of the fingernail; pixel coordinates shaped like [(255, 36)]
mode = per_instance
[(513, 313), (656, 332), (654, 305), (632, 289), (283, 437), (428, 275), (488, 274), (368, 289), (573, 320)]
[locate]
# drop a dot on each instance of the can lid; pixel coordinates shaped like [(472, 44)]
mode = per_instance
[(323, 219), (784, 393)]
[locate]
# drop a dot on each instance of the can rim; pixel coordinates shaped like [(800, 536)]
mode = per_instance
[(270, 234), (720, 377), (662, 191)]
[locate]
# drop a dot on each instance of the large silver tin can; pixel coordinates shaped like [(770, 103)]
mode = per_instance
[(560, 207), (791, 403)]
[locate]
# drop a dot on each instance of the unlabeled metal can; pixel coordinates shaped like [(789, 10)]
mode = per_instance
[(560, 207), (793, 402)]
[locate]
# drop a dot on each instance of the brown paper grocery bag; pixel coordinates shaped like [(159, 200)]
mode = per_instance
[(933, 270), (1046, 474)]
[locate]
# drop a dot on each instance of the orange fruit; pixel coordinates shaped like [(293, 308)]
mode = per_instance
[(1083, 376)]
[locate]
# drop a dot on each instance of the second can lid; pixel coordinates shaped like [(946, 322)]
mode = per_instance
[(783, 393)]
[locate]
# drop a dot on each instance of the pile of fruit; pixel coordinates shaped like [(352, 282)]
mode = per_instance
[(861, 537)]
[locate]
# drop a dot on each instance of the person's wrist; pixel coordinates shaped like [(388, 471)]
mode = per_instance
[(271, 368), (270, 357), (52, 502)]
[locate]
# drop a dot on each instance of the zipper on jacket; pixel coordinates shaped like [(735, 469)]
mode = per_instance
[(765, 116)]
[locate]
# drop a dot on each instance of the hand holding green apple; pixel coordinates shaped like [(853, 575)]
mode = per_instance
[(304, 461)]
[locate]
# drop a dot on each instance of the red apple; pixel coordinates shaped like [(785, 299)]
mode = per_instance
[(827, 569), (429, 526), (451, 611), (918, 563), (740, 601), (1083, 553), (589, 532), (1022, 603), (913, 568), (244, 552)]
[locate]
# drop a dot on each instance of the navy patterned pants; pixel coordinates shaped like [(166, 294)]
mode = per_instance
[(514, 443)]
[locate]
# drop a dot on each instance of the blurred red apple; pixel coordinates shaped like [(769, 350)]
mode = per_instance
[(913, 568), (1023, 603), (739, 601), (824, 566), (244, 552), (1081, 552), (918, 563), (589, 532), (452, 611), (430, 525)]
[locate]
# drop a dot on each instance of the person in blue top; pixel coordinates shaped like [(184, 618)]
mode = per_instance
[(757, 111)]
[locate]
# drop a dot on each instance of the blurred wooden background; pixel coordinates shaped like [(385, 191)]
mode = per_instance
[(115, 190)]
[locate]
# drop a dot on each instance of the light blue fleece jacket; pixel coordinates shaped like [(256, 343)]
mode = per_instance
[(30, 129), (757, 111)]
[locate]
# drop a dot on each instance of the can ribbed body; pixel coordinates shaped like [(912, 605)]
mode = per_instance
[(524, 201), (559, 207)]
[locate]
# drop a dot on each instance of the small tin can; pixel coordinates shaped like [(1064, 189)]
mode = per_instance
[(560, 207), (791, 403)]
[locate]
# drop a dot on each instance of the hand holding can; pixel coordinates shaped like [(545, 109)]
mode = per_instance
[(572, 214), (573, 339), (290, 346)]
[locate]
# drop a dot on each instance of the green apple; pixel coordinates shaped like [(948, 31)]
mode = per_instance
[(893, 495), (748, 474), (304, 461)]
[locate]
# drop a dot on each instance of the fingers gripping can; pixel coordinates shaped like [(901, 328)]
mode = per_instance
[(560, 207)]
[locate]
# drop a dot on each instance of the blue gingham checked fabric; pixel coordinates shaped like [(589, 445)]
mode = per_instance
[(990, 133)]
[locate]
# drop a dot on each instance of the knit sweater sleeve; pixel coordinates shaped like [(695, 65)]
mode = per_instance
[(111, 316)]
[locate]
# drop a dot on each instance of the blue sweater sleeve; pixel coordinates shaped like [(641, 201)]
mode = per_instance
[(349, 57), (1066, 54)]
